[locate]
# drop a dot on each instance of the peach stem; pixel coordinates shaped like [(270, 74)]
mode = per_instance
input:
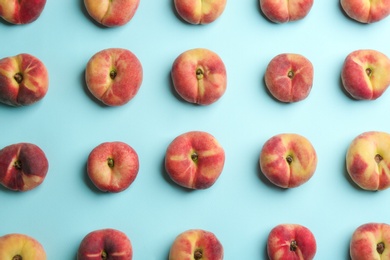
[(199, 73), (378, 158), (18, 77), (289, 159), (293, 245), (104, 255), (17, 257), (18, 165), (110, 162), (368, 72), (113, 74), (198, 254), (290, 74), (380, 247), (194, 157)]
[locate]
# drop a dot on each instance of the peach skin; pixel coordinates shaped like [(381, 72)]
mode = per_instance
[(366, 74), (368, 160), (199, 76), (288, 160), (366, 11), (112, 13), (200, 12), (24, 80)]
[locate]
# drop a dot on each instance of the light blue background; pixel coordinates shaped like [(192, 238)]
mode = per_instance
[(242, 207)]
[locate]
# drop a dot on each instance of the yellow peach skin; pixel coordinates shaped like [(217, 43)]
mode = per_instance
[(195, 160), (282, 11), (22, 246), (24, 80), (289, 77), (200, 12), (112, 13), (368, 160), (21, 12), (114, 76), (370, 241), (366, 11), (288, 160), (366, 74), (199, 76), (196, 244)]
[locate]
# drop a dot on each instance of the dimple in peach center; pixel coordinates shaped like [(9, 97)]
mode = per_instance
[(18, 77), (198, 254), (194, 157), (104, 255), (18, 165), (293, 245), (369, 71), (378, 158), (199, 73), (290, 74), (380, 247), (289, 159), (113, 74), (17, 257), (110, 162)]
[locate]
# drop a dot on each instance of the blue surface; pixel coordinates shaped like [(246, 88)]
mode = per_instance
[(242, 207)]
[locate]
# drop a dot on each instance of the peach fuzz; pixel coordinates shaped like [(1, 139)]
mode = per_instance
[(20, 246), (199, 76), (113, 166), (368, 160), (112, 13), (289, 77), (282, 11), (23, 166), (105, 244), (200, 12), (21, 11), (370, 241), (366, 74), (196, 244), (114, 76), (194, 160), (366, 11), (291, 241), (288, 160), (24, 80)]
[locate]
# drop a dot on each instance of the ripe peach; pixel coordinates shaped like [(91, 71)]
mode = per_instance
[(281, 11), (200, 12), (366, 74), (289, 77), (288, 160), (20, 246), (114, 76), (196, 244), (199, 76), (105, 244), (21, 11), (113, 166), (195, 160), (291, 241), (23, 166), (370, 241), (366, 11), (112, 13), (24, 80), (368, 160)]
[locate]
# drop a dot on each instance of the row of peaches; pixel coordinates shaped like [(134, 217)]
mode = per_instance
[(285, 241), (118, 13), (195, 160), (199, 76)]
